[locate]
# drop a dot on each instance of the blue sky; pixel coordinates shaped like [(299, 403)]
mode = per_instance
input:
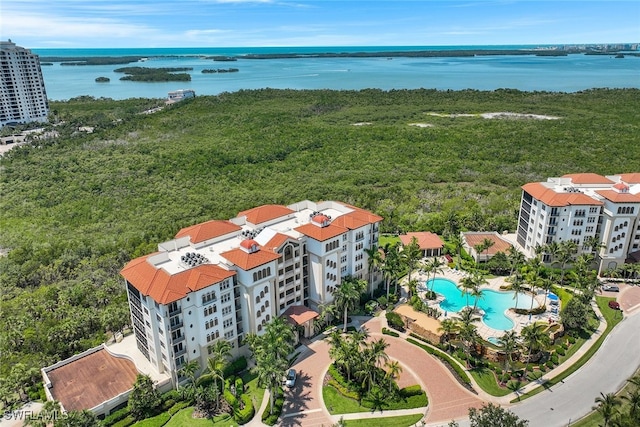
[(231, 23)]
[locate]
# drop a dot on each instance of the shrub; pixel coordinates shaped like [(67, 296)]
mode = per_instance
[(115, 416), (235, 367), (549, 364), (167, 404), (560, 351), (413, 390), (395, 321), (230, 398), (173, 395), (243, 416), (239, 386), (572, 339), (271, 419), (390, 332)]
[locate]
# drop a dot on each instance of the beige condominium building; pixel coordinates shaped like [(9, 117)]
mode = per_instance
[(580, 207), (224, 279)]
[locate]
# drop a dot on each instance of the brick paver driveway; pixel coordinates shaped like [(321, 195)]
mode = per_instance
[(447, 398)]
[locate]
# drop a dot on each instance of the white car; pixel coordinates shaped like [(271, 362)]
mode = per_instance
[(290, 379), (611, 288)]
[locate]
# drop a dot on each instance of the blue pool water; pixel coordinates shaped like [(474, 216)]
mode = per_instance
[(493, 303)]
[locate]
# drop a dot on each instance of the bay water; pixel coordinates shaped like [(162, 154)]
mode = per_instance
[(570, 73)]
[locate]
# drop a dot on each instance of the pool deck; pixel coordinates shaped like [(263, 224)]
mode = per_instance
[(519, 320)]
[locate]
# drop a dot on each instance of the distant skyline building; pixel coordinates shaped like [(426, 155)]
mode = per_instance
[(224, 279), (600, 214), (23, 98)]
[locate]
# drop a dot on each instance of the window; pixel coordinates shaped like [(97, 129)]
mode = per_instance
[(227, 323), (226, 311), (225, 298)]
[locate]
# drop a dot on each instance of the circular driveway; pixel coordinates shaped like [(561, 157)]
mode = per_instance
[(447, 398)]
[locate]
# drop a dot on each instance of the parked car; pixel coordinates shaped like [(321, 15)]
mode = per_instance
[(614, 305), (610, 288), (290, 379)]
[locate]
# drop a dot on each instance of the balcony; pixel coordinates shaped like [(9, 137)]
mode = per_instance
[(180, 352), (176, 325), (177, 340), (175, 312)]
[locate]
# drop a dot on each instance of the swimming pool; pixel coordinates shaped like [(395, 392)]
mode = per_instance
[(493, 303)]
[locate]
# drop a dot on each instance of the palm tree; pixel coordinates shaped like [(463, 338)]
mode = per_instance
[(516, 387), (393, 370), (568, 250), (374, 261), (448, 327), (411, 253), (479, 248), (535, 338), (517, 286), (607, 406), (516, 258), (436, 267), (633, 402), (391, 264), (220, 351), (189, 370), (487, 244), (510, 344), (270, 351), (347, 295), (456, 240)]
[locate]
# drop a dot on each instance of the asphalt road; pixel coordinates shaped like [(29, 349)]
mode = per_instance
[(607, 371)]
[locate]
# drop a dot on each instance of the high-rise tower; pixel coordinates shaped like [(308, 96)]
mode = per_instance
[(23, 98)]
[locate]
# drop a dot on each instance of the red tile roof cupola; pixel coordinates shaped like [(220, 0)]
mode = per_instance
[(321, 220), (621, 187), (250, 246)]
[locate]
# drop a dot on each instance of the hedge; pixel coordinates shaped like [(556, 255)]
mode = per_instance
[(271, 419), (386, 331), (413, 390), (239, 386), (114, 417), (445, 358), (243, 416), (178, 407), (394, 320), (230, 398)]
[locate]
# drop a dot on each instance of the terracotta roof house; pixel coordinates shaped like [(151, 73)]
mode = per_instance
[(430, 244)]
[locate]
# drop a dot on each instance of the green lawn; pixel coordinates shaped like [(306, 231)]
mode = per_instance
[(486, 379), (157, 421), (252, 388), (386, 238), (402, 421), (184, 419), (337, 404)]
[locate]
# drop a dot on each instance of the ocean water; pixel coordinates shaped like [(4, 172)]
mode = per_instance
[(570, 73)]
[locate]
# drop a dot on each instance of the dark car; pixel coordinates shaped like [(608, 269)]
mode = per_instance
[(614, 305)]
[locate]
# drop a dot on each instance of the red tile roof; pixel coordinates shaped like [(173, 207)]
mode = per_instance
[(426, 240), (550, 197), (616, 197), (248, 261), (587, 178), (631, 178), (321, 233), (499, 244), (276, 241), (621, 186), (165, 288), (265, 213), (91, 380), (208, 230), (299, 314)]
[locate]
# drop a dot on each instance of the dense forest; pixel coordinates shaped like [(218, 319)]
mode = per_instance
[(77, 207)]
